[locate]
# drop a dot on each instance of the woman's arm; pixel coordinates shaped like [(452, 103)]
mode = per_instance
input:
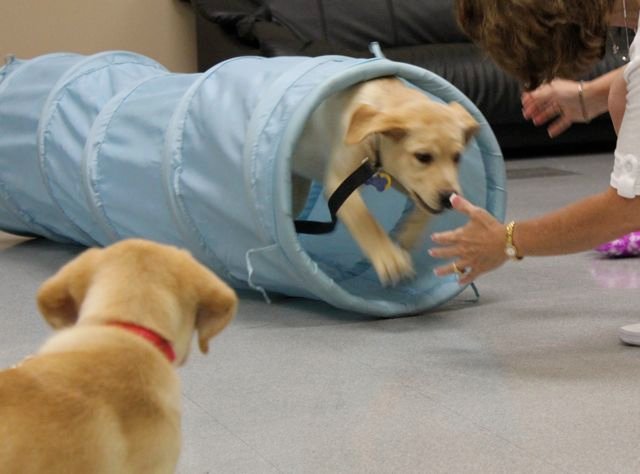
[(480, 244), (579, 226)]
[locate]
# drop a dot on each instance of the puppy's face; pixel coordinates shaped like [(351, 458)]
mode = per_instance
[(156, 286), (421, 143)]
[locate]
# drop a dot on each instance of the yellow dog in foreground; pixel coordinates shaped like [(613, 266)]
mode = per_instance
[(102, 394)]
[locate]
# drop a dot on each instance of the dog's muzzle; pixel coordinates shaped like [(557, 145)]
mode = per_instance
[(444, 201)]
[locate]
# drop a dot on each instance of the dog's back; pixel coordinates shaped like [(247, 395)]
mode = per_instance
[(103, 406)]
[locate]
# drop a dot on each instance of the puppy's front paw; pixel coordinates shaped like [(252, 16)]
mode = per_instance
[(392, 264)]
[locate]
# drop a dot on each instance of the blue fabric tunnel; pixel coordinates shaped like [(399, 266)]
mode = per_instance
[(41, 101), (100, 148)]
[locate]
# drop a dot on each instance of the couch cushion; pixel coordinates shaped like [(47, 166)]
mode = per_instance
[(350, 24)]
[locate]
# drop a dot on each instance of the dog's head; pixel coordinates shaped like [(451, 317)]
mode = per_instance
[(420, 144), (156, 286)]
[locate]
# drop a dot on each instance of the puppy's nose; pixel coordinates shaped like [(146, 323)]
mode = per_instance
[(445, 198)]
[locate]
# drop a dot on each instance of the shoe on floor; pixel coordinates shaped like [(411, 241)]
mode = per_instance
[(630, 334)]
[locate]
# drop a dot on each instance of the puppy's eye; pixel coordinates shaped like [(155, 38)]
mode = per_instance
[(456, 158), (424, 158)]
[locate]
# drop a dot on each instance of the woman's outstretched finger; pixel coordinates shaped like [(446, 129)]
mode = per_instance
[(444, 252), (460, 204), (446, 238)]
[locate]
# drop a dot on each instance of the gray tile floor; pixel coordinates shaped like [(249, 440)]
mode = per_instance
[(531, 379)]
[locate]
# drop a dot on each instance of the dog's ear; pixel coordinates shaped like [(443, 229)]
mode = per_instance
[(469, 125), (59, 298), (367, 120), (217, 307)]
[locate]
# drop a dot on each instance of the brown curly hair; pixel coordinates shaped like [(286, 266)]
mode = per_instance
[(538, 40)]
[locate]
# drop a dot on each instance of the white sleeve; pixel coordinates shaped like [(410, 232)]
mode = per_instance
[(625, 177)]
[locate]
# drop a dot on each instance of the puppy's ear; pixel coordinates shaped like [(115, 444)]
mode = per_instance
[(59, 298), (217, 307), (367, 120), (469, 125)]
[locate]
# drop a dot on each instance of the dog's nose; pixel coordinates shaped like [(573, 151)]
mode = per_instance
[(445, 198)]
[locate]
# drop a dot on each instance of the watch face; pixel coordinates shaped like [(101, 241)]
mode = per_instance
[(510, 251)]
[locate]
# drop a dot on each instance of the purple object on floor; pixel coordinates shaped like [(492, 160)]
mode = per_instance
[(626, 246)]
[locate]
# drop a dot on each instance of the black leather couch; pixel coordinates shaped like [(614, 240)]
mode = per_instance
[(421, 32)]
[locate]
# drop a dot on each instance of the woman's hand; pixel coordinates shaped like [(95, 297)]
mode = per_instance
[(557, 100), (477, 247)]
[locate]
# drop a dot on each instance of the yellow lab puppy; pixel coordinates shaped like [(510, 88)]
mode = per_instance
[(102, 395), (418, 142)]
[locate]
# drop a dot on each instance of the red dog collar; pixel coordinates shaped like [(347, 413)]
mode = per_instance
[(151, 336)]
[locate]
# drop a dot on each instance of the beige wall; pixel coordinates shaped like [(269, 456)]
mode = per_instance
[(161, 29)]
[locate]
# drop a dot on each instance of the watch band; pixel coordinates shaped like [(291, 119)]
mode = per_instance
[(510, 248)]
